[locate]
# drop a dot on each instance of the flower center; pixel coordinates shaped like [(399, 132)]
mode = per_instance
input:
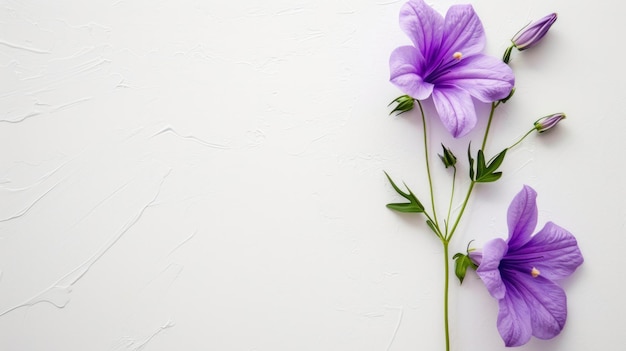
[(535, 272), (457, 55)]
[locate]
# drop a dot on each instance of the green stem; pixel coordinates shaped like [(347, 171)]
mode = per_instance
[(458, 218), (449, 235), (522, 138), (445, 292), (430, 181), (451, 199), (493, 109)]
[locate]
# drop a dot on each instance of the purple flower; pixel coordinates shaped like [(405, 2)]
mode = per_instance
[(532, 34), (446, 63), (521, 273)]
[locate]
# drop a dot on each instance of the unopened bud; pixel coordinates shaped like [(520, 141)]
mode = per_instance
[(405, 103), (548, 122), (530, 35), (448, 157)]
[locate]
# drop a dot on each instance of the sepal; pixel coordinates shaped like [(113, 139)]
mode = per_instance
[(461, 263)]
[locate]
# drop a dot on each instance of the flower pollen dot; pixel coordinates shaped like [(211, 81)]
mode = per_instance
[(457, 55), (535, 272)]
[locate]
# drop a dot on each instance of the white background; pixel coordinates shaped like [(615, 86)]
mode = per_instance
[(208, 175)]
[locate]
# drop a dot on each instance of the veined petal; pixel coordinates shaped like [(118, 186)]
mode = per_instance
[(463, 32), (514, 318), (545, 300), (553, 251), (405, 73), (423, 25), (484, 77), (488, 270), (522, 217), (476, 256), (455, 108)]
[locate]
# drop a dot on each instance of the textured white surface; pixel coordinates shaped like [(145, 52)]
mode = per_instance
[(207, 175)]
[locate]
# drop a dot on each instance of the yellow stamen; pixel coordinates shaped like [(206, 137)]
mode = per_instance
[(535, 272), (457, 55)]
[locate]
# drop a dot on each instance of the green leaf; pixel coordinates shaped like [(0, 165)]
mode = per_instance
[(491, 177), (471, 161), (496, 161), (481, 168), (486, 173), (432, 227), (405, 207), (414, 206), (395, 187), (462, 262)]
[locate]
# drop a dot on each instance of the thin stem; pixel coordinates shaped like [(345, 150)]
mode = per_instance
[(458, 218), (522, 138), (451, 199), (445, 293), (430, 181), (493, 109), (494, 105)]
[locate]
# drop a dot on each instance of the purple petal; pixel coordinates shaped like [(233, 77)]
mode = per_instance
[(553, 251), (403, 64), (545, 301), (423, 25), (484, 77), (456, 109), (514, 320), (464, 32), (522, 217), (488, 270), (476, 256)]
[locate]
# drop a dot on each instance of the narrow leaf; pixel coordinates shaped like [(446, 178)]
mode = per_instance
[(496, 161), (414, 206), (405, 207), (471, 161), (414, 199), (395, 187), (432, 227), (481, 167)]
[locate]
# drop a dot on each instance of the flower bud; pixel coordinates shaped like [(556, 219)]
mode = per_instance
[(405, 104), (548, 122), (448, 157), (532, 33)]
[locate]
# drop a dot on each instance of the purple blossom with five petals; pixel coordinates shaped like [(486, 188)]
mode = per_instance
[(446, 62), (521, 273)]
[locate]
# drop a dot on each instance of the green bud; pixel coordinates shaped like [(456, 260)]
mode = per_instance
[(448, 157), (405, 104), (507, 54)]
